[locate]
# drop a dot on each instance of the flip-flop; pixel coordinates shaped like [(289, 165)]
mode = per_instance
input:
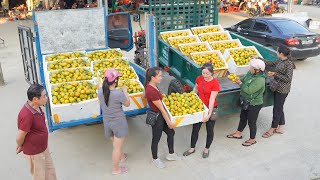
[(231, 136), (125, 158), (187, 153), (205, 155), (123, 170), (249, 143), (267, 135), (278, 132)]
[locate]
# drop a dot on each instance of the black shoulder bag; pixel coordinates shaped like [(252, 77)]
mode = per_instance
[(245, 103), (214, 114), (274, 85), (152, 117)]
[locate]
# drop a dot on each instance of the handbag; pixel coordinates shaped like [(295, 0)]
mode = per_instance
[(152, 117), (244, 104), (214, 114), (274, 85)]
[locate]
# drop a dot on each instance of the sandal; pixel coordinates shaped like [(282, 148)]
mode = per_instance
[(248, 143), (267, 134), (187, 153), (205, 155), (125, 158), (233, 137), (123, 170), (278, 131)]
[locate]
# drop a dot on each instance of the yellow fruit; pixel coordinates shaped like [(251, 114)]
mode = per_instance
[(181, 104), (222, 46), (133, 86), (65, 64), (233, 77), (72, 75), (205, 30), (64, 56), (213, 37), (197, 47), (181, 40), (242, 56), (121, 65), (212, 57), (104, 54), (66, 94), (167, 35)]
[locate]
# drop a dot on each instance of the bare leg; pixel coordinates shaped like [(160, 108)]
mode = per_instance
[(117, 154)]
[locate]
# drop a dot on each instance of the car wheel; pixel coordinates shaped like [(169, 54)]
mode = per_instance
[(175, 87), (302, 59)]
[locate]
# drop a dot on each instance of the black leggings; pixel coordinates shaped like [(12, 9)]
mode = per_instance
[(195, 133), (250, 116), (157, 129), (278, 114)]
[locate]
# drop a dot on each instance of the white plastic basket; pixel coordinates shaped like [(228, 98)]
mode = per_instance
[(49, 55), (46, 64), (201, 36), (104, 50), (136, 100), (74, 111), (188, 118), (49, 73), (180, 38), (233, 67), (186, 31), (218, 72), (208, 48), (237, 41), (194, 29), (93, 63)]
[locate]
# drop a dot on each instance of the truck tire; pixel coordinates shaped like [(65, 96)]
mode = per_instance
[(175, 87)]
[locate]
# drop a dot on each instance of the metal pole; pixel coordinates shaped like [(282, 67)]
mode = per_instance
[(290, 2), (216, 12), (1, 77)]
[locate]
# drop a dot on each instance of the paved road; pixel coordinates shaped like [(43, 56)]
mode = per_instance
[(82, 153)]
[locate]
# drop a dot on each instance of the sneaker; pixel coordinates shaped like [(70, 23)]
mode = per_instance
[(173, 157), (158, 163)]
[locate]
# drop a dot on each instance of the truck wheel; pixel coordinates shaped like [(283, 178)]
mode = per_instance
[(175, 87)]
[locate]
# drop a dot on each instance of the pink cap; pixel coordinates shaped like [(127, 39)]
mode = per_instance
[(112, 74)]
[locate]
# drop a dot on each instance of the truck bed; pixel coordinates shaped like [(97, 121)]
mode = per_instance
[(186, 71)]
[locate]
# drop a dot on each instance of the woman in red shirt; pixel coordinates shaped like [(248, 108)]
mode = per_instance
[(163, 123), (207, 88)]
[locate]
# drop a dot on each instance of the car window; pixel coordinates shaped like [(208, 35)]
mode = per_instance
[(246, 25), (261, 27), (290, 27)]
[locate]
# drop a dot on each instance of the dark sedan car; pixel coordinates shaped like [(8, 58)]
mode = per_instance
[(272, 32)]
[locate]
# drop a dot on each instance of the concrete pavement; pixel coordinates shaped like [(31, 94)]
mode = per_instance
[(82, 152)]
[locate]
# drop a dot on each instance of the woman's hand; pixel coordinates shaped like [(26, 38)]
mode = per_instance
[(18, 149), (171, 125), (270, 74), (206, 119), (238, 81)]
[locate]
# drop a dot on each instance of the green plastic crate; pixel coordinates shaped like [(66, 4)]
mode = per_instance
[(175, 15)]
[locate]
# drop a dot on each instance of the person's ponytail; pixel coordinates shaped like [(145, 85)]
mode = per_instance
[(147, 80), (106, 91)]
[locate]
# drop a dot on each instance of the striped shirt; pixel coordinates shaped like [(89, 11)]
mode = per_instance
[(283, 74)]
